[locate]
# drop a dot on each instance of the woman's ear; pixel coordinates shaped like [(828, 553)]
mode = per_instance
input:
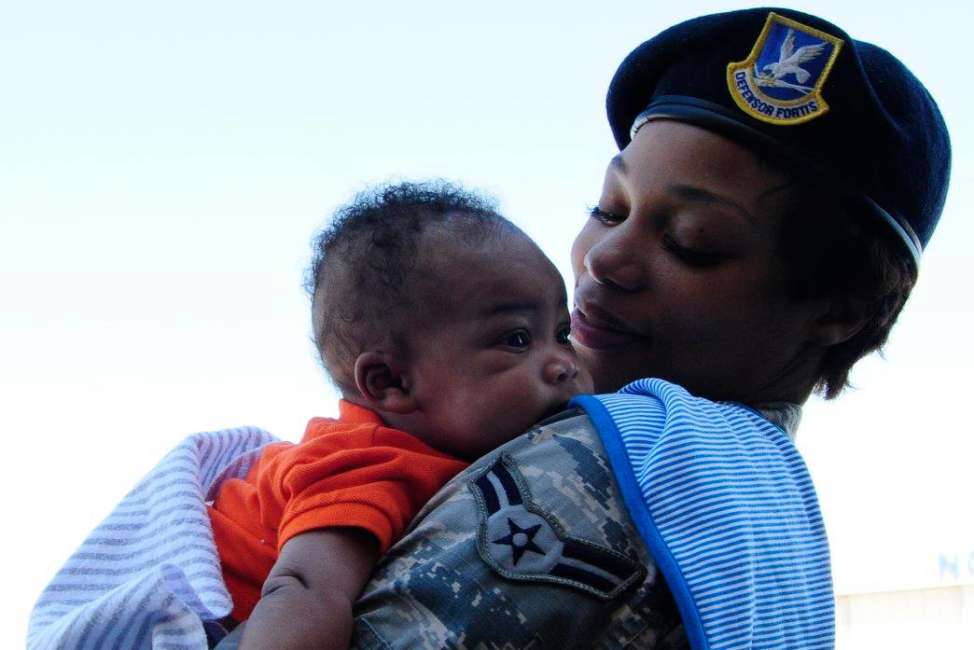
[(381, 382), (841, 319)]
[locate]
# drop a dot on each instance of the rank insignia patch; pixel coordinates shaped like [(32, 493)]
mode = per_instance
[(781, 80), (521, 542)]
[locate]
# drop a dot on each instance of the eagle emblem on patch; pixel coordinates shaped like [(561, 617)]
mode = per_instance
[(781, 80), (520, 541)]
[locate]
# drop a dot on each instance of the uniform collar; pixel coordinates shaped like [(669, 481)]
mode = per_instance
[(786, 415)]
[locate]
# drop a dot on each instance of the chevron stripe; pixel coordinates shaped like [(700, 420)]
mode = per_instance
[(570, 561)]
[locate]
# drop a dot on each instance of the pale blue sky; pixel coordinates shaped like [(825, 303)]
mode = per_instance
[(163, 167)]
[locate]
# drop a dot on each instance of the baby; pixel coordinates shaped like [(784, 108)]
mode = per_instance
[(447, 332)]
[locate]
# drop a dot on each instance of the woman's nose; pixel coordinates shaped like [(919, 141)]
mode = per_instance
[(613, 263), (560, 368)]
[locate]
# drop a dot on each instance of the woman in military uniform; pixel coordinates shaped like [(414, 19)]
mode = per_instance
[(757, 234)]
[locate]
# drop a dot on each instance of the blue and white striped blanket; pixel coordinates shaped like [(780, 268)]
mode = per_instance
[(149, 575), (728, 511)]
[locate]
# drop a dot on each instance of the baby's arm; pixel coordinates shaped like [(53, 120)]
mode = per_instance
[(307, 599)]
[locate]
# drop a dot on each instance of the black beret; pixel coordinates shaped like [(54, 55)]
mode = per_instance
[(795, 85)]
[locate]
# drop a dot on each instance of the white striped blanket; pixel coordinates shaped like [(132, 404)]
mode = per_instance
[(149, 575)]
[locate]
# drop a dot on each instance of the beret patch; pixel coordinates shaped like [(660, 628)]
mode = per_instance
[(781, 81)]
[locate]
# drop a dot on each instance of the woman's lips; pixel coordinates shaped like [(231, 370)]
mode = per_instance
[(598, 332)]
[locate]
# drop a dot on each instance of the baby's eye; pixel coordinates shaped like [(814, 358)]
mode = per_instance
[(564, 332), (605, 217), (517, 339)]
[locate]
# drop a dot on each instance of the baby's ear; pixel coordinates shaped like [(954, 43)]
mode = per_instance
[(380, 380)]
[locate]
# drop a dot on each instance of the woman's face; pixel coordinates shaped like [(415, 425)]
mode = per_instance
[(677, 273)]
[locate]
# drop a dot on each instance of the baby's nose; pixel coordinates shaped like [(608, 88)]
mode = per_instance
[(560, 369)]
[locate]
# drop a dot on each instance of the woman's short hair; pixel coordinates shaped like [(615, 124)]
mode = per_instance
[(832, 250)]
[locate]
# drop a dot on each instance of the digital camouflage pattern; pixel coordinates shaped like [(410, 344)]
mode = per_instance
[(530, 547)]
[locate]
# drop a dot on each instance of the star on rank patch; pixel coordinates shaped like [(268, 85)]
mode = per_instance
[(520, 541), (781, 81)]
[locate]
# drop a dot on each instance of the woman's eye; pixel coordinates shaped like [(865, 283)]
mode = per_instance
[(563, 335), (691, 256), (517, 339), (605, 217)]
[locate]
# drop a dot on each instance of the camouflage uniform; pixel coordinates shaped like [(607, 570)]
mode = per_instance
[(531, 547)]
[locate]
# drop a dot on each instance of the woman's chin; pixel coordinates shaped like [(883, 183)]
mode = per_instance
[(609, 372)]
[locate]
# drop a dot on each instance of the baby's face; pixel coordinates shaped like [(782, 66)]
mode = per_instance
[(497, 357)]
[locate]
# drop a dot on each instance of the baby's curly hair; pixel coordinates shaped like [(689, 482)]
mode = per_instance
[(363, 278)]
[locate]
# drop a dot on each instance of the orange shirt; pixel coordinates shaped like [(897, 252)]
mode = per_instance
[(353, 471)]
